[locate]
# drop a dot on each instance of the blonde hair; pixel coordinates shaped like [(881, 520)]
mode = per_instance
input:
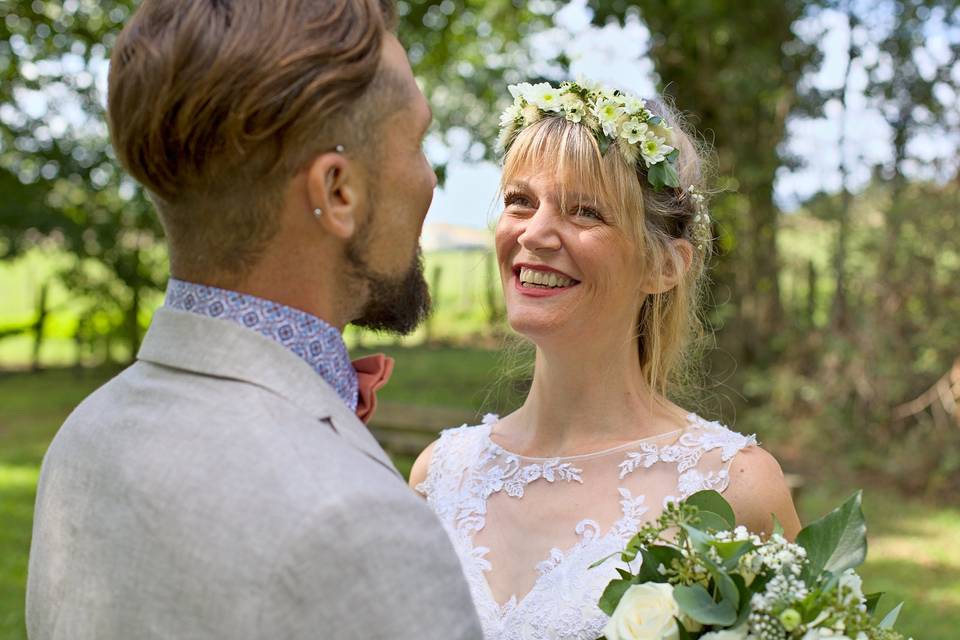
[(669, 325)]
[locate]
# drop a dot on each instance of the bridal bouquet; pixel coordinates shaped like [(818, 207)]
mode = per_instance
[(701, 577)]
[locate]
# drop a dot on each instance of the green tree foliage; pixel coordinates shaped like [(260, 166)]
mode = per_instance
[(465, 52), (58, 175)]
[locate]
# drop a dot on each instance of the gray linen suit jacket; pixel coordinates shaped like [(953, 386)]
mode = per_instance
[(219, 488)]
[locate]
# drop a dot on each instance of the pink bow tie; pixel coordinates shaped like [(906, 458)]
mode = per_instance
[(372, 373)]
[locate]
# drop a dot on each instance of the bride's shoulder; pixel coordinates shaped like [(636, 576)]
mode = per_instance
[(757, 487), (459, 438), (714, 435)]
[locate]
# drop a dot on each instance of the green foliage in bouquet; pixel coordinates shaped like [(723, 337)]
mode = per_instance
[(729, 584)]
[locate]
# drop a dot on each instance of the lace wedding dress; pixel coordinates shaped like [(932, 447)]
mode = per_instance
[(527, 529)]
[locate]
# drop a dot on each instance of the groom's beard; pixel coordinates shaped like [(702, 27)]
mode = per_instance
[(394, 303)]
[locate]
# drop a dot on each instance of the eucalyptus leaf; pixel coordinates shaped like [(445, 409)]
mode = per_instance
[(710, 521), (731, 552), (663, 554), (712, 501), (696, 603), (602, 560), (891, 618), (603, 142), (777, 527), (672, 178), (745, 595), (728, 589), (613, 594), (701, 541), (657, 175), (648, 570), (836, 542)]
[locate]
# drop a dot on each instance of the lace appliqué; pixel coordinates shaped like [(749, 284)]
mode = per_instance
[(467, 468)]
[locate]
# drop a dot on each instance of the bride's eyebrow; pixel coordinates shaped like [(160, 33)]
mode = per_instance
[(517, 185)]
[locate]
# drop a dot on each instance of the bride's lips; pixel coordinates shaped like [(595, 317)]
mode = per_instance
[(537, 292)]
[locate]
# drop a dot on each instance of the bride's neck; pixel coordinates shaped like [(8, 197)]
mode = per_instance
[(588, 396)]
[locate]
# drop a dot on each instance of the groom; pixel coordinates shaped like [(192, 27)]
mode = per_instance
[(224, 485)]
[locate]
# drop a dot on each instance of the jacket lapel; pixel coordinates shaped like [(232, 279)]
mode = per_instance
[(223, 349)]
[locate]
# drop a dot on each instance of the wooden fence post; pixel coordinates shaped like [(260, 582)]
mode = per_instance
[(39, 324)]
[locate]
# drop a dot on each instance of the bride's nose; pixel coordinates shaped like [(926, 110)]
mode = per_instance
[(540, 232)]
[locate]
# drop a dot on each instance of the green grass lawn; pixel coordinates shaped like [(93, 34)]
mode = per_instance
[(913, 545)]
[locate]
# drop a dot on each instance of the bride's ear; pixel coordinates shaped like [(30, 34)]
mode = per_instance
[(678, 258), (335, 193)]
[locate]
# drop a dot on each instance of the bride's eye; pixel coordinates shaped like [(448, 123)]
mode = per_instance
[(590, 213), (515, 198)]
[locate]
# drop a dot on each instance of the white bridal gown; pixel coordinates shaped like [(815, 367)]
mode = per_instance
[(527, 529)]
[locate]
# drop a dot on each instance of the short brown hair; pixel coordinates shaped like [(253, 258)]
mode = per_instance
[(214, 104)]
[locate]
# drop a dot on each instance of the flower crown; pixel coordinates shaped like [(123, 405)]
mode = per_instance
[(614, 118)]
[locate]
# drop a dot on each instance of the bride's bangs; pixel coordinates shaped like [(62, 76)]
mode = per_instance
[(566, 150)]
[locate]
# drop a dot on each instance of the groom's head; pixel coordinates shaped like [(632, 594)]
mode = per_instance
[(281, 143)]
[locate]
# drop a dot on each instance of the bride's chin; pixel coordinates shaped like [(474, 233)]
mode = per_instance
[(533, 328)]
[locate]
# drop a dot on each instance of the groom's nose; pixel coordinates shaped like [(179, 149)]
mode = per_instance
[(540, 231)]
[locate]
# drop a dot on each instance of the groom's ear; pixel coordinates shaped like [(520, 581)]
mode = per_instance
[(334, 186)]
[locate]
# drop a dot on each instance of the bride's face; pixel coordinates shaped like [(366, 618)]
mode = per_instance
[(568, 271)]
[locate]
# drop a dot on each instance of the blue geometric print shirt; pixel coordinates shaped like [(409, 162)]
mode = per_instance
[(316, 342)]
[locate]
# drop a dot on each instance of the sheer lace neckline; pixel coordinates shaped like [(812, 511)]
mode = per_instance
[(528, 563), (491, 419)]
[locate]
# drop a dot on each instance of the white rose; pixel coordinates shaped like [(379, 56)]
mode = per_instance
[(727, 634), (646, 612)]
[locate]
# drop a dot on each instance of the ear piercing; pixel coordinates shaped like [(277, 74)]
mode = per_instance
[(318, 211)]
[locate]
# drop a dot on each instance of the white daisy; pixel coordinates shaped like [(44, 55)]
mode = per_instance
[(632, 105), (521, 90), (510, 114), (633, 131), (545, 96), (654, 150), (573, 107), (608, 113)]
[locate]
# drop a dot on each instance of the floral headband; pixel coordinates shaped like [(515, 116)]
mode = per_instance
[(614, 118)]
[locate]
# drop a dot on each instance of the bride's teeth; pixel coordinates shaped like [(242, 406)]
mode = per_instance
[(543, 278)]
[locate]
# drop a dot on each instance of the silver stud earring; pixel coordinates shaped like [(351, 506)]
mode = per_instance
[(338, 148), (317, 212)]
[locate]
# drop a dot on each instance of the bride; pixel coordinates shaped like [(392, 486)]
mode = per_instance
[(602, 247)]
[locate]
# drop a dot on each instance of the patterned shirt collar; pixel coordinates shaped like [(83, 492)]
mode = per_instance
[(316, 342)]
